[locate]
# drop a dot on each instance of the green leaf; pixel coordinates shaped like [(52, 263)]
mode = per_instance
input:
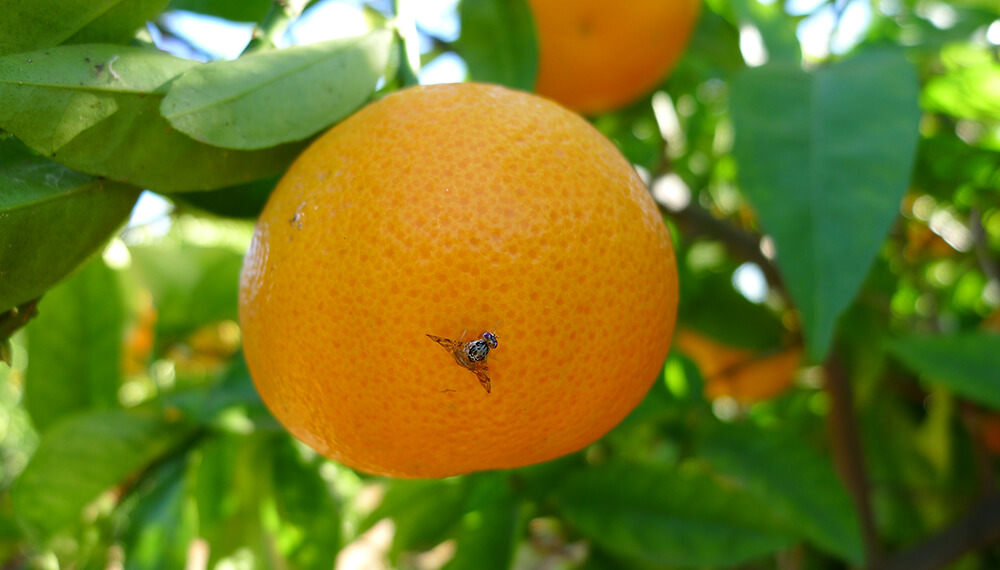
[(272, 97), (83, 456), (191, 285), (490, 531), (968, 88), (74, 347), (661, 516), (425, 512), (51, 219), (498, 42), (796, 482), (236, 10), (304, 500), (231, 483), (825, 158), (967, 363), (160, 526), (228, 405), (245, 201), (34, 24), (95, 108)]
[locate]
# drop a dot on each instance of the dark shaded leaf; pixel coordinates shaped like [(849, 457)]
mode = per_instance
[(425, 512), (95, 108), (160, 528), (746, 324), (490, 531), (229, 485), (272, 97), (498, 42), (51, 219), (967, 363), (75, 347), (796, 482), (83, 456), (304, 501), (245, 201), (213, 406), (825, 158), (236, 10), (661, 516), (35, 24)]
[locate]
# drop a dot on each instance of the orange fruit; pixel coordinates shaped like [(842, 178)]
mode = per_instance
[(595, 55), (739, 373), (445, 210)]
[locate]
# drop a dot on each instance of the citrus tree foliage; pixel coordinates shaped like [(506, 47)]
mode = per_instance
[(843, 408)]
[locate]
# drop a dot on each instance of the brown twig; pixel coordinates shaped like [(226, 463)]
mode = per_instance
[(989, 265), (10, 322), (695, 221), (972, 417), (848, 454), (17, 317), (976, 529)]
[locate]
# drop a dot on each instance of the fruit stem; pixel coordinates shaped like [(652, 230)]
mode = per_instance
[(408, 42), (281, 14)]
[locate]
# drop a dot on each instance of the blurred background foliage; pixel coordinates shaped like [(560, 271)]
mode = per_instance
[(131, 435)]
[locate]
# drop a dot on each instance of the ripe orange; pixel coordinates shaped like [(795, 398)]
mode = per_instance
[(596, 55), (448, 209)]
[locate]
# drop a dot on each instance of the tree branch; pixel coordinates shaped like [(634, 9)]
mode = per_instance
[(976, 529), (695, 221), (848, 453), (989, 265)]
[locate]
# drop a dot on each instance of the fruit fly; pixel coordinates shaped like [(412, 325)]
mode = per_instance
[(471, 355)]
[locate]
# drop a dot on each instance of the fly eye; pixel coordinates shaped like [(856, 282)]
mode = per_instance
[(490, 339)]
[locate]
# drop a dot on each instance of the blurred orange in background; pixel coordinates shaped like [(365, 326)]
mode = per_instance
[(739, 373), (595, 56)]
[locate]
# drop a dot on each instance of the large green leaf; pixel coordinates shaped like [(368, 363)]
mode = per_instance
[(74, 347), (95, 108), (668, 517), (797, 483), (272, 97), (83, 456), (498, 42), (52, 219), (825, 157), (967, 363), (34, 24)]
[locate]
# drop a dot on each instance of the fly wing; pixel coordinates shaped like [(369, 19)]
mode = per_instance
[(448, 344), (483, 373), (455, 347)]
